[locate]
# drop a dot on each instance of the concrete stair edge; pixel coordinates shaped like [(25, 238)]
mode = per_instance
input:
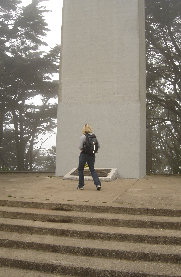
[(96, 252), (91, 208), (83, 266), (88, 234), (79, 260), (91, 220)]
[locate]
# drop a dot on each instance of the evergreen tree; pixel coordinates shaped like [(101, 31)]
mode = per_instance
[(27, 73), (163, 19)]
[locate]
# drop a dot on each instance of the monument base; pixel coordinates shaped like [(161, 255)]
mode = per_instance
[(117, 125), (105, 174)]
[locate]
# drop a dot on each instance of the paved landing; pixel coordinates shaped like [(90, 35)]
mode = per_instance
[(159, 192)]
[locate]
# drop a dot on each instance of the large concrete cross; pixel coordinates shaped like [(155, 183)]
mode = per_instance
[(102, 82)]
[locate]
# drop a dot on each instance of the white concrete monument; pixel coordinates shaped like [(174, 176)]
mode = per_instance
[(102, 82)]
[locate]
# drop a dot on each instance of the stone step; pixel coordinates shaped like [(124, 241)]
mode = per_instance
[(108, 249), (90, 218), (73, 240), (15, 272), (152, 236), (90, 208), (84, 266)]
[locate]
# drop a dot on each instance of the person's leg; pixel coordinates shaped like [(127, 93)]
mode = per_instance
[(91, 161), (82, 162)]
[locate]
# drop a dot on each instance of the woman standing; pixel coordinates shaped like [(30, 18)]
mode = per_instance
[(87, 157)]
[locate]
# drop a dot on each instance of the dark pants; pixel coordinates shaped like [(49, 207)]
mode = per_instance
[(90, 159)]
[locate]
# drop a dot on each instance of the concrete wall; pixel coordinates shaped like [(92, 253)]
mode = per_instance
[(102, 82)]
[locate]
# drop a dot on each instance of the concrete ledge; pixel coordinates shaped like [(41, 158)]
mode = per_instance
[(112, 175)]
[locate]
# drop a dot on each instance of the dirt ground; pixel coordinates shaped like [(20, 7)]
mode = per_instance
[(150, 191)]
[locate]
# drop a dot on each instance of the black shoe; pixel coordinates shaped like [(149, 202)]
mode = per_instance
[(80, 187), (98, 187)]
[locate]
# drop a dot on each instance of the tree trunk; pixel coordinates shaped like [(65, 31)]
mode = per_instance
[(149, 154), (19, 143), (2, 111)]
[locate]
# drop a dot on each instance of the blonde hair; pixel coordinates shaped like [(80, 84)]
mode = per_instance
[(87, 129)]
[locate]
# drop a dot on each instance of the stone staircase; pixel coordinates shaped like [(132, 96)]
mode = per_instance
[(44, 239)]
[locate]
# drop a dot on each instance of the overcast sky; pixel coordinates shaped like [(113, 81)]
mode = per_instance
[(53, 18)]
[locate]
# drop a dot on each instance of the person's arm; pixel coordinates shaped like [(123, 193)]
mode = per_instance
[(82, 140), (98, 144)]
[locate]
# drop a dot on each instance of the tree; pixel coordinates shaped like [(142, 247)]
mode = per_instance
[(163, 19), (7, 10), (45, 160), (26, 73)]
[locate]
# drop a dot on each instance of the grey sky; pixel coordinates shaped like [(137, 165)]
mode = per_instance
[(53, 18)]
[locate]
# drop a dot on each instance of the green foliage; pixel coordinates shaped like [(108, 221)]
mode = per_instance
[(163, 41), (25, 71), (45, 160)]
